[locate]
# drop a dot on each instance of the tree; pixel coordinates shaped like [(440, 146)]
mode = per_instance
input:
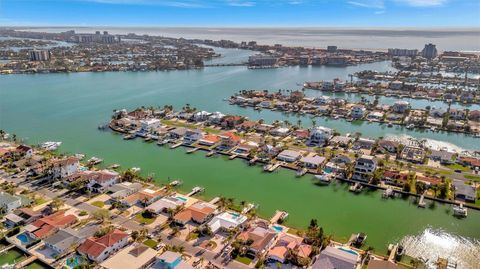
[(140, 235), (100, 215), (56, 204)]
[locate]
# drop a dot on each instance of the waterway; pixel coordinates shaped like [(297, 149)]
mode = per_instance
[(69, 107)]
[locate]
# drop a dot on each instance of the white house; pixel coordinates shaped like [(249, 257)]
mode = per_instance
[(364, 168), (400, 106), (358, 111), (320, 135), (312, 161), (289, 156), (9, 202), (216, 117), (98, 249), (226, 220), (65, 167), (99, 181), (201, 116), (192, 136), (149, 124)]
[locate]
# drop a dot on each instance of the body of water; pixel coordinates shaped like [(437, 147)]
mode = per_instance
[(69, 107)]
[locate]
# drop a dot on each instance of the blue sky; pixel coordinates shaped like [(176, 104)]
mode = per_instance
[(238, 13)]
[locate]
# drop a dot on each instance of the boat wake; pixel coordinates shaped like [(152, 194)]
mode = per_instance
[(429, 143), (433, 244)]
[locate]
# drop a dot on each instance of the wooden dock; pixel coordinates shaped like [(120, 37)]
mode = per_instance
[(233, 157), (192, 150), (195, 190), (273, 167), (279, 215), (214, 200), (421, 202), (176, 145), (26, 262)]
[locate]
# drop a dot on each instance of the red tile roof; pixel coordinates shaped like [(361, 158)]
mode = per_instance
[(94, 247)]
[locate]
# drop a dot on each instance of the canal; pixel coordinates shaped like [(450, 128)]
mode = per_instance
[(69, 107)]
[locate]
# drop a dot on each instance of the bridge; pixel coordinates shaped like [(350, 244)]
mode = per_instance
[(221, 65)]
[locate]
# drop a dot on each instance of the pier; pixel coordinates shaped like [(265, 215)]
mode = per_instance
[(192, 150), (279, 216), (26, 262), (7, 249), (421, 202), (195, 190), (176, 145)]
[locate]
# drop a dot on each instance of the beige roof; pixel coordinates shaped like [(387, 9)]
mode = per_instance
[(131, 257)]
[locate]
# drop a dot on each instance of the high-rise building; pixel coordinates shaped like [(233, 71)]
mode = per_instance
[(429, 51), (39, 55), (403, 52), (331, 48)]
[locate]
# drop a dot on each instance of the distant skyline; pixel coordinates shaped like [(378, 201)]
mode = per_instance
[(242, 13)]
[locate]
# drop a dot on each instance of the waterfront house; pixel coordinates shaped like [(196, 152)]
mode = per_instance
[(171, 260), (312, 161), (50, 224), (209, 140), (178, 132), (24, 151), (149, 124), (192, 136), (467, 97), (164, 204), (442, 156), (231, 121), (199, 212), (98, 249), (226, 220), (215, 118), (21, 216), (62, 241), (135, 256), (375, 116), (322, 100), (99, 181), (394, 178), (400, 106), (320, 135), (301, 134), (413, 154), (201, 116), (394, 117), (340, 141), (437, 112), (396, 85), (123, 189), (388, 145), (285, 246), (263, 128), (464, 192), (259, 238), (280, 131), (246, 126), (474, 163), (363, 143), (428, 180), (144, 197), (364, 168), (336, 258), (457, 114), (289, 156), (9, 202), (228, 140), (474, 115), (265, 104), (244, 149), (358, 111), (61, 168)]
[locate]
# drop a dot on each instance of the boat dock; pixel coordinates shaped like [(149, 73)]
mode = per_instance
[(214, 200), (26, 262), (192, 150), (176, 145), (210, 153), (233, 157), (273, 167), (421, 202), (195, 190), (253, 160), (279, 216), (7, 249), (393, 253)]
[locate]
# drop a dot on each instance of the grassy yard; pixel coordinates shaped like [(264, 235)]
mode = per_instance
[(460, 167), (39, 201), (472, 177), (98, 204), (245, 260), (177, 124), (144, 218), (150, 243)]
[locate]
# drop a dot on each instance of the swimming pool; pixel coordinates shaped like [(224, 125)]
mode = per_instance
[(181, 198), (25, 239), (349, 250), (277, 228), (75, 261)]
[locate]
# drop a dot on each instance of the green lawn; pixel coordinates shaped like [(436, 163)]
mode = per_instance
[(460, 167), (142, 218), (39, 201), (98, 204), (150, 243), (472, 177), (244, 260)]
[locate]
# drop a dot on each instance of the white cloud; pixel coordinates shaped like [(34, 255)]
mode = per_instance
[(423, 3), (240, 3), (378, 4)]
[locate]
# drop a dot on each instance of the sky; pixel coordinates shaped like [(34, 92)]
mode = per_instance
[(242, 13)]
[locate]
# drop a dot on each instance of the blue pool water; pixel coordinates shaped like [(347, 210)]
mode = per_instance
[(277, 228), (23, 238), (181, 198), (349, 251), (74, 261), (327, 170)]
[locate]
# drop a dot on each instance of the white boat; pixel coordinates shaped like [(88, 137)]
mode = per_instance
[(388, 193), (175, 183), (301, 171), (459, 210), (248, 207), (79, 156), (8, 266), (135, 169), (114, 166), (94, 160), (357, 187), (50, 145), (324, 179), (411, 126)]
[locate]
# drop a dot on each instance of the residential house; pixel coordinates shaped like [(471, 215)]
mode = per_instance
[(230, 122), (312, 161), (464, 192), (457, 114), (381, 264), (388, 145), (469, 161), (149, 124), (201, 116), (413, 154), (50, 224), (364, 168), (437, 112), (216, 118), (145, 197), (400, 106), (226, 220), (289, 156), (280, 131), (124, 189), (340, 141), (228, 140), (363, 143), (24, 151), (9, 202), (99, 181), (442, 156), (394, 178), (320, 135), (474, 115), (98, 249), (287, 244), (192, 136), (260, 236), (164, 204), (135, 256), (199, 212), (65, 167), (335, 258), (177, 133), (171, 260), (62, 241), (358, 111), (209, 140), (247, 125), (21, 216)]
